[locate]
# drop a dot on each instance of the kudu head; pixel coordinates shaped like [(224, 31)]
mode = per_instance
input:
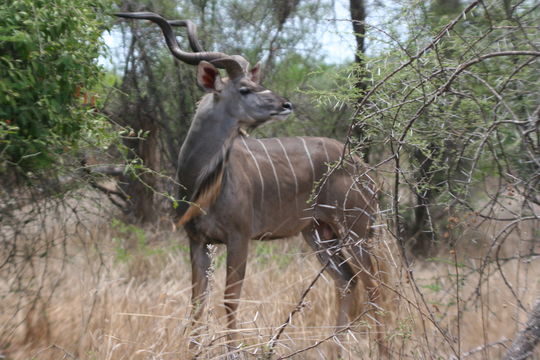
[(239, 95)]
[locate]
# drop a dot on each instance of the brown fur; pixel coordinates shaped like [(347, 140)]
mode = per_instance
[(203, 201)]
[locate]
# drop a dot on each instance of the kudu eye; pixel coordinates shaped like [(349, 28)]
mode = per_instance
[(244, 90)]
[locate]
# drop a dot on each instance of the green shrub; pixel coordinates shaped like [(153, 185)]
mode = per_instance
[(48, 65)]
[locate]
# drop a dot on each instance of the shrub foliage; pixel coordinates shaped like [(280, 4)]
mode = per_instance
[(48, 64)]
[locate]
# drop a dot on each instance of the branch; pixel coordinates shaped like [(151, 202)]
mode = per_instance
[(483, 347), (108, 170), (299, 306), (111, 170)]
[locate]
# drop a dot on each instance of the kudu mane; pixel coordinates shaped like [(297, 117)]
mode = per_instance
[(208, 184)]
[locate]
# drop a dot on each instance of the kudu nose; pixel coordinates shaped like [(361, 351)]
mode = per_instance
[(287, 105)]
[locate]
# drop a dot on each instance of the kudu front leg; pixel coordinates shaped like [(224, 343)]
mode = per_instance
[(200, 264), (237, 251)]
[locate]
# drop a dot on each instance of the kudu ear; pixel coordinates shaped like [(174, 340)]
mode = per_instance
[(208, 77), (255, 73)]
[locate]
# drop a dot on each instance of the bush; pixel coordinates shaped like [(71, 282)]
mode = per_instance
[(48, 64)]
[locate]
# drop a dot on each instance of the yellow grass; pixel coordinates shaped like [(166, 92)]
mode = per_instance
[(116, 292)]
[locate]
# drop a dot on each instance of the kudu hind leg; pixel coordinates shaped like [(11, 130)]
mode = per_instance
[(320, 237), (366, 270)]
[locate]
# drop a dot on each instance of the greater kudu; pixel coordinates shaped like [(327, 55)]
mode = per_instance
[(240, 188)]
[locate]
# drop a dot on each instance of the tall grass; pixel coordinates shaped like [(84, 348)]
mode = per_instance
[(113, 291)]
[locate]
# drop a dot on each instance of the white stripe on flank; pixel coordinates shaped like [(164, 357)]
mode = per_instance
[(327, 166), (309, 157), (263, 92), (347, 196), (292, 170), (327, 206), (290, 165), (273, 169), (326, 153), (258, 169)]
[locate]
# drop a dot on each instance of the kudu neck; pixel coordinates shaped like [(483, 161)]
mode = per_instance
[(206, 145)]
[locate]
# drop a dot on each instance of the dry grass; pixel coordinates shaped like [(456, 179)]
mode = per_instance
[(117, 292)]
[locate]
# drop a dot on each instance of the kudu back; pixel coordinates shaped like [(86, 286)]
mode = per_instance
[(240, 188)]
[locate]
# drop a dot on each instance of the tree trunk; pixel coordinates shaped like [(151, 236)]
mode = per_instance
[(140, 110), (426, 177), (358, 18), (523, 345), (140, 186), (283, 10), (420, 231)]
